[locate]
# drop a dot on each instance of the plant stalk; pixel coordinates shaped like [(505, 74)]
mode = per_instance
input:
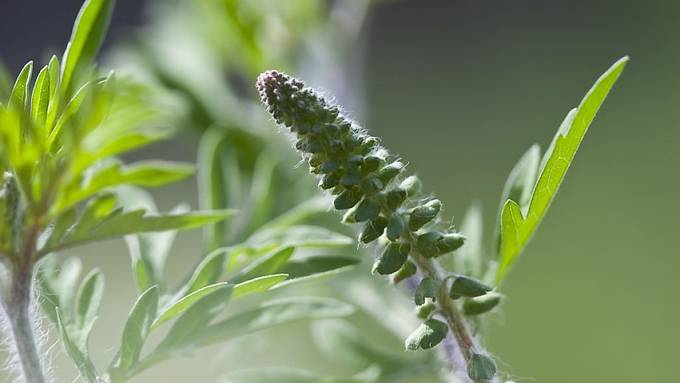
[(17, 306)]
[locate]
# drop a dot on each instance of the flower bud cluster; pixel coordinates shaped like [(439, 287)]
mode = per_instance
[(370, 186)]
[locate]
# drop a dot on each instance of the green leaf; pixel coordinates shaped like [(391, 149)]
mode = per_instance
[(516, 227), (181, 305), (89, 298), (19, 95), (52, 109), (262, 192), (88, 32), (208, 271), (258, 284), (78, 355), (40, 99), (58, 285), (182, 336), (146, 174), (315, 267), (272, 314), (269, 264), (300, 236), (283, 375), (219, 180), (121, 223), (137, 328)]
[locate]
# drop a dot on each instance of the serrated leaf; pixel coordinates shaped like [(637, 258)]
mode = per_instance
[(137, 328), (258, 284), (78, 355), (516, 228), (88, 32), (121, 223)]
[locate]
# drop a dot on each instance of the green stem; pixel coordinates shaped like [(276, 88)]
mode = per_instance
[(17, 306)]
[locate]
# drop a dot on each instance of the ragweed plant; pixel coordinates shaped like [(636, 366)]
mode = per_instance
[(370, 186)]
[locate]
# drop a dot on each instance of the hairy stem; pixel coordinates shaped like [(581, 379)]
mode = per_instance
[(17, 306)]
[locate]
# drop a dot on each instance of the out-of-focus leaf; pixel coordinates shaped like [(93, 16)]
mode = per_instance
[(137, 328), (283, 375), (258, 284), (208, 270), (301, 213), (182, 305), (57, 286), (219, 181), (272, 314), (77, 354), (88, 32), (121, 223), (19, 95), (300, 236), (40, 99), (89, 298), (182, 336), (469, 259), (147, 174), (315, 267), (516, 227), (262, 192), (270, 264)]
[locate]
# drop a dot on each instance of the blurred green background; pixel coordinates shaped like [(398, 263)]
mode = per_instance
[(461, 89)]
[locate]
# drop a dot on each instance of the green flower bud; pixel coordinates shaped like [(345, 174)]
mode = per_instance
[(412, 185), (429, 334), (371, 185), (407, 271), (427, 243), (481, 367), (350, 179), (394, 198), (424, 311), (428, 288), (395, 227), (367, 210), (388, 172), (450, 242), (373, 230), (468, 287), (392, 259), (371, 163), (348, 198), (329, 166), (481, 305), (423, 214), (329, 181)]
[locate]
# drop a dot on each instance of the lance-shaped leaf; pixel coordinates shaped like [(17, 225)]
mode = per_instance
[(137, 329), (78, 355), (181, 305), (258, 284), (516, 227), (88, 32)]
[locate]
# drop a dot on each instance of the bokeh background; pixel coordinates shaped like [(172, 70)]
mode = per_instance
[(461, 89)]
